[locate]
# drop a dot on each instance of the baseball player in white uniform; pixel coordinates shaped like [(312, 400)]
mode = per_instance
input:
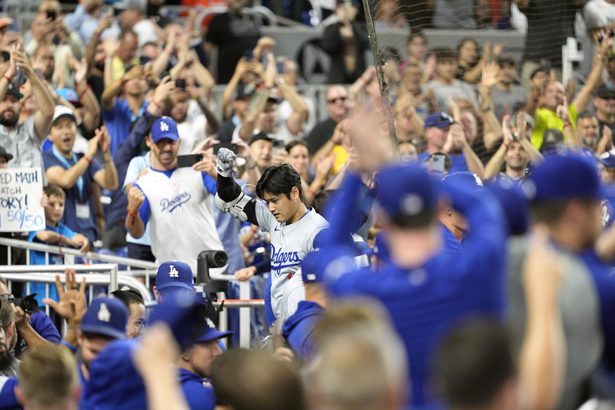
[(281, 212)]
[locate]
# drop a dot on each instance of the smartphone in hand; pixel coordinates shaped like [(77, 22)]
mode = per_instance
[(187, 161)]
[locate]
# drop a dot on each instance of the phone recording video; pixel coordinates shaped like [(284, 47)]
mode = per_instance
[(187, 161)]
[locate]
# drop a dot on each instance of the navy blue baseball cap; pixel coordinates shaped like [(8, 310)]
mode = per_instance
[(311, 271), (406, 189), (607, 159), (185, 316), (106, 316), (164, 128), (174, 274), (211, 333), (513, 202), (568, 176), (115, 383), (465, 180), (439, 120)]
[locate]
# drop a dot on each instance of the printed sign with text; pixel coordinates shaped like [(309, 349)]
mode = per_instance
[(21, 190)]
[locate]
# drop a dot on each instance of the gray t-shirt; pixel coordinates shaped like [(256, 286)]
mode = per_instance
[(506, 102), (454, 14), (457, 89), (23, 144), (580, 315)]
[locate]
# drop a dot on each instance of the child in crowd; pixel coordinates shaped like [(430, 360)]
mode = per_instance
[(55, 233)]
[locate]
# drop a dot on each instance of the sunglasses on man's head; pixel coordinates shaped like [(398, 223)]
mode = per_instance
[(336, 99)]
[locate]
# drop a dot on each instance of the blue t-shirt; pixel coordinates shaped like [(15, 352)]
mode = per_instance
[(119, 120), (38, 258), (79, 194), (41, 323), (198, 396)]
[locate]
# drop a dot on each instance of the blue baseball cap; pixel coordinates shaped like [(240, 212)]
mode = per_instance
[(164, 128), (439, 120), (68, 94), (106, 316), (566, 176), (114, 381), (607, 159), (311, 270), (174, 274), (211, 333), (513, 202), (185, 316), (406, 189), (465, 180)]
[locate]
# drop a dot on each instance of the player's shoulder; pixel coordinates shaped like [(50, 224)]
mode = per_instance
[(317, 219)]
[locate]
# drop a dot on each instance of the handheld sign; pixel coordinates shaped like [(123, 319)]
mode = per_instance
[(21, 190)]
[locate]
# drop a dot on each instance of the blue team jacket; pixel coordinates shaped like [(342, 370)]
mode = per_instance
[(298, 328), (199, 397), (426, 302)]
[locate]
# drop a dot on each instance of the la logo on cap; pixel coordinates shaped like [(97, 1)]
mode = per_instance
[(164, 126), (173, 273), (103, 313)]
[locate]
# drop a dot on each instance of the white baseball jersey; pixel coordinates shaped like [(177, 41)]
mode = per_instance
[(289, 244), (181, 215)]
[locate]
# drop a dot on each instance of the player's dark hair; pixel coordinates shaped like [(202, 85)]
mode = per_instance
[(54, 190), (279, 179), (128, 297), (423, 219), (320, 201), (294, 143), (473, 363)]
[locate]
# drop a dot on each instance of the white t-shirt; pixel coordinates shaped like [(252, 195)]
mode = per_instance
[(146, 31), (181, 213), (191, 132), (289, 244)]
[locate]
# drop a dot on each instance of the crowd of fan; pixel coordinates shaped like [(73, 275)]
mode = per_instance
[(450, 246)]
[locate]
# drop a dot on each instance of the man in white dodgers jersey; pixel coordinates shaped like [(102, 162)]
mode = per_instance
[(280, 212), (176, 201)]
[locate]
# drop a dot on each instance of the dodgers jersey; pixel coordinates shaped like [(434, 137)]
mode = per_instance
[(289, 244), (180, 212)]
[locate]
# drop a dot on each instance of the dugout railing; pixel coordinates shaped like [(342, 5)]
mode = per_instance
[(133, 273)]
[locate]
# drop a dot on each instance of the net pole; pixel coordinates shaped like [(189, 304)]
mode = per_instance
[(378, 63)]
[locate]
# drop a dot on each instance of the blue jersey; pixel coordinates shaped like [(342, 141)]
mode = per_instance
[(8, 399), (426, 302), (298, 328), (198, 396)]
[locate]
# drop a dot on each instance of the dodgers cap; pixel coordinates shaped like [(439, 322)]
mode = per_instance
[(185, 316), (106, 316), (465, 180), (406, 189), (61, 112), (211, 333), (439, 120), (174, 274), (513, 202), (607, 159), (311, 270), (164, 128), (567, 176)]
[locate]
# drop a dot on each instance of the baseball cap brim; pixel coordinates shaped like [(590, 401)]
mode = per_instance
[(179, 285), (103, 330), (70, 116), (7, 156), (213, 334), (167, 136)]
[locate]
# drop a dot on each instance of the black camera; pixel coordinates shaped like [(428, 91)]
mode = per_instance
[(28, 303), (205, 261), (180, 83)]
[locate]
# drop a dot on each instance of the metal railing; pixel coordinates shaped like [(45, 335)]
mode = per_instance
[(125, 277)]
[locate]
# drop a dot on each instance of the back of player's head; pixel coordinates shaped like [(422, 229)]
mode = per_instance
[(279, 179), (48, 377), (360, 363), (253, 380), (473, 363), (54, 190)]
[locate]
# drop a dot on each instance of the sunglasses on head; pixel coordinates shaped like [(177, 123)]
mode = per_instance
[(334, 100)]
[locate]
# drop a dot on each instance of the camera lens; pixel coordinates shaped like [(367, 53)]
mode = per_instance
[(217, 259)]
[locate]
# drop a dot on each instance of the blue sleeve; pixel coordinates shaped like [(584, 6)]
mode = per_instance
[(94, 168), (132, 146), (44, 326), (144, 210), (32, 236), (210, 183), (66, 231), (49, 160), (110, 115), (8, 399)]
